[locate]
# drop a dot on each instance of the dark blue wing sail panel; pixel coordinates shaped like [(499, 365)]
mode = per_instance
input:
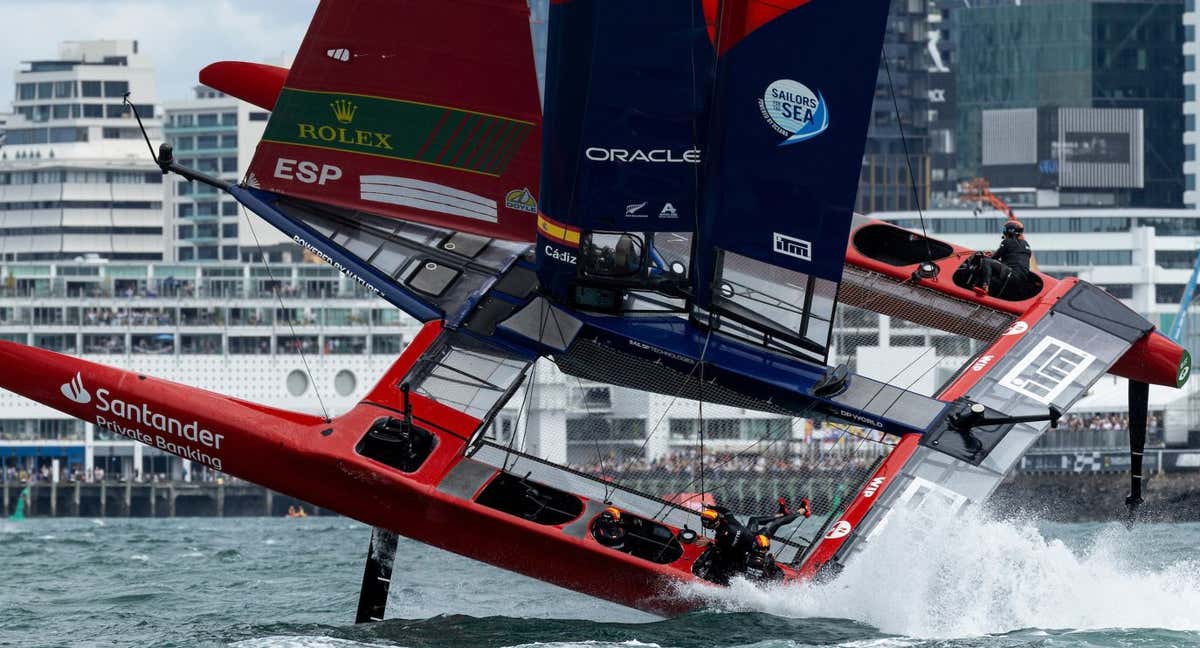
[(626, 87), (785, 148)]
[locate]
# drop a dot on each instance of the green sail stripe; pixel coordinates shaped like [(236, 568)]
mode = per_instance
[(377, 126), (488, 159), (459, 141), (442, 137), (510, 147), (487, 133)]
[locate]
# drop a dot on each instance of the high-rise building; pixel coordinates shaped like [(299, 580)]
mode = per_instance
[(215, 134), (1191, 84), (76, 179), (1056, 57), (897, 148)]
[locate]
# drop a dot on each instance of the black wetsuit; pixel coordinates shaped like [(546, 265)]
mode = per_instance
[(733, 547), (1010, 263), (609, 532)]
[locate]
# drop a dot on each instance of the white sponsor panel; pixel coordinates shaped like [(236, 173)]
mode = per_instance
[(1047, 370), (429, 196)]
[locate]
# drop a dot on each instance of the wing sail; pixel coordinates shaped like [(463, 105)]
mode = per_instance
[(425, 111), (788, 127)]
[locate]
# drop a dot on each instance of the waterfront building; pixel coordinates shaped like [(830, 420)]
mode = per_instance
[(1058, 59), (1191, 106), (216, 134), (884, 183), (76, 179), (4, 117), (216, 326)]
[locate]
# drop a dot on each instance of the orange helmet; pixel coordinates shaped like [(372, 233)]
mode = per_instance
[(762, 541), (613, 512), (709, 517)]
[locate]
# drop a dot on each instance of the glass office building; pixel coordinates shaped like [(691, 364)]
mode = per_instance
[(1077, 54)]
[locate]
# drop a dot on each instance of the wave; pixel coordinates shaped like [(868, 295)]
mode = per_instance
[(975, 575)]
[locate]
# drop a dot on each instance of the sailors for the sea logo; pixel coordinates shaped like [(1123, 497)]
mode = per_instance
[(75, 391), (794, 111)]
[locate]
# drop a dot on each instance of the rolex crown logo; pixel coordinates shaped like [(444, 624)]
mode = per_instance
[(344, 110)]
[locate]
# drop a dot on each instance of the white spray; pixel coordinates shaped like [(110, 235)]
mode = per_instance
[(972, 575)]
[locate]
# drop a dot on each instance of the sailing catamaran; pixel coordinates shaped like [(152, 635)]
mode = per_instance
[(677, 219)]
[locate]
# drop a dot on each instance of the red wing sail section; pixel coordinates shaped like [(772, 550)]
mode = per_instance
[(423, 110), (256, 83)]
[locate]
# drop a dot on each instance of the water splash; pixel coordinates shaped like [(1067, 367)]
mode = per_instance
[(974, 575)]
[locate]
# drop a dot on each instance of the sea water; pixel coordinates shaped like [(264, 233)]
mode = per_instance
[(272, 583)]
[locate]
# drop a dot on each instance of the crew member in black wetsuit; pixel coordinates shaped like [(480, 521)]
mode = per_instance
[(741, 549), (1008, 266), (608, 529)]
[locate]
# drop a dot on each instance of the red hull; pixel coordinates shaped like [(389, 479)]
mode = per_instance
[(309, 458)]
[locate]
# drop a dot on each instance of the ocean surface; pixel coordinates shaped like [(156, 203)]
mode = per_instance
[(271, 583)]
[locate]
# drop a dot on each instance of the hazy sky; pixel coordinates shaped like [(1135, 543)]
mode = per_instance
[(180, 36)]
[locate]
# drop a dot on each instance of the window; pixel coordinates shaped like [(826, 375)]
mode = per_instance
[(114, 111), (229, 119), (64, 89), (185, 188), (208, 119), (229, 165), (1168, 293), (229, 252), (61, 111), (185, 232), (187, 253), (206, 142), (94, 111), (45, 90), (183, 121), (206, 209), (184, 143), (207, 165), (259, 116), (116, 88), (229, 141), (206, 230), (26, 91), (59, 135), (206, 253), (91, 89), (186, 210), (229, 209)]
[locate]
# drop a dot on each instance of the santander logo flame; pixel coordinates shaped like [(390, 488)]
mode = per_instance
[(75, 392)]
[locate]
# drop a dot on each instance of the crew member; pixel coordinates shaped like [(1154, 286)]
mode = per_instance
[(1009, 264), (741, 549), (732, 543), (608, 529)]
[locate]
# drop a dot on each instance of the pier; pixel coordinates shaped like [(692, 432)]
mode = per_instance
[(151, 499)]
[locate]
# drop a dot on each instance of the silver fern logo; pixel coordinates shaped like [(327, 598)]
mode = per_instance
[(74, 390)]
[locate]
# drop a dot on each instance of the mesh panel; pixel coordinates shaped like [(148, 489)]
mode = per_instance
[(882, 294), (754, 452)]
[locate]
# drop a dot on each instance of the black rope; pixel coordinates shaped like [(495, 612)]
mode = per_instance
[(279, 296), (907, 160)]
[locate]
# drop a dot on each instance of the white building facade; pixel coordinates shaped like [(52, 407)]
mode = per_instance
[(76, 178), (1191, 107), (215, 134)]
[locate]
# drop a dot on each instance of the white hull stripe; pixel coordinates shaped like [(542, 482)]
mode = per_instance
[(428, 196)]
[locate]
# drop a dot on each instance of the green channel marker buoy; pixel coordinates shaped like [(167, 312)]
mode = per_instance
[(19, 514)]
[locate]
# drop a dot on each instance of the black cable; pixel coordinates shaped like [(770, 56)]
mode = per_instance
[(907, 160)]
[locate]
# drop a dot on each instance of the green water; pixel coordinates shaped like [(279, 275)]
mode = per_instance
[(269, 583)]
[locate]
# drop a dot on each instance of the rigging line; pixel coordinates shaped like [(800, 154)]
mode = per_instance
[(278, 295), (595, 439), (528, 400), (658, 424), (797, 527), (907, 160)]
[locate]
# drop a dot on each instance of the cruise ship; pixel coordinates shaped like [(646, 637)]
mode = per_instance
[(298, 336)]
